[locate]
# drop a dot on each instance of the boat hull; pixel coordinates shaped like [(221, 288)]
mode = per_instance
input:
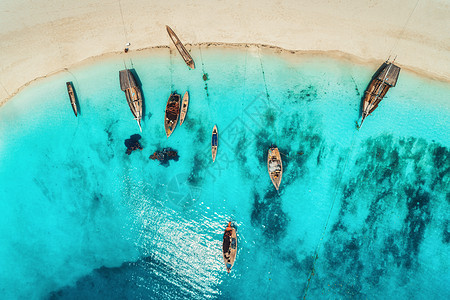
[(275, 166), (184, 107), (180, 47), (172, 113), (72, 97), (229, 247), (214, 142), (385, 78), (133, 94)]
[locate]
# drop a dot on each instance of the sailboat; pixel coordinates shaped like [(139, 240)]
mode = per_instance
[(378, 87), (133, 94)]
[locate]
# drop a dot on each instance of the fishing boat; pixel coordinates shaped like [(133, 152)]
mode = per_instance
[(214, 142), (383, 80), (229, 246), (129, 85), (275, 166), (72, 97), (184, 107), (172, 113), (180, 47)]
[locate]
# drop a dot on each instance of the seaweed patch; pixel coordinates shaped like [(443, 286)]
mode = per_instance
[(298, 95), (268, 215), (398, 183), (198, 164)]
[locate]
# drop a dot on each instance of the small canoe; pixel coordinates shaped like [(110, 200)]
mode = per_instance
[(172, 113), (73, 99), (275, 166), (180, 47), (133, 93), (229, 246), (385, 79), (214, 142), (184, 107)]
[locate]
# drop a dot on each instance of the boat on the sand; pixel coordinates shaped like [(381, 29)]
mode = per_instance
[(181, 49), (229, 246), (172, 113), (385, 79), (275, 166), (184, 107), (133, 93)]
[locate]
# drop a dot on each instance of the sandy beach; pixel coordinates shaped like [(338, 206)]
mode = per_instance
[(41, 38)]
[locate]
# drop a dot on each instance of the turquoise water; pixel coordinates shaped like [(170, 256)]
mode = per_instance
[(367, 210)]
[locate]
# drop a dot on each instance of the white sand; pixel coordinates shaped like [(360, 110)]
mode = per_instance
[(38, 38)]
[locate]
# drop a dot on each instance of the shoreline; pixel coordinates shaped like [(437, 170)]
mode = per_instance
[(333, 54)]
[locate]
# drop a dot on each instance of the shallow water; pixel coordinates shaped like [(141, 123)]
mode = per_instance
[(367, 210)]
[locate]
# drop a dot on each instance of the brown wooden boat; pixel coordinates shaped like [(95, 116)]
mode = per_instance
[(378, 87), (180, 47), (275, 166), (129, 85), (184, 107), (229, 246), (214, 142), (72, 97), (172, 113)]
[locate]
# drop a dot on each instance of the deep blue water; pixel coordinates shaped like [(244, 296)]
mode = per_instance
[(366, 210)]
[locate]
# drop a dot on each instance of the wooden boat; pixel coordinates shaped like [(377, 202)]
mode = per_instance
[(275, 166), (378, 87), (184, 107), (72, 97), (180, 47), (214, 142), (229, 247), (172, 113), (129, 85)]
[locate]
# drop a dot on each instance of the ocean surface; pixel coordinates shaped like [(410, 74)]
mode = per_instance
[(361, 214)]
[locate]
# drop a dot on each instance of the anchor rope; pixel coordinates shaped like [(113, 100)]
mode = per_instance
[(206, 84), (244, 84), (319, 244), (212, 114), (171, 69), (269, 102), (403, 29), (123, 22)]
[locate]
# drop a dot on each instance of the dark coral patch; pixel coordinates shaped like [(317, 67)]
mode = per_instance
[(400, 183), (298, 95), (126, 282), (270, 117), (198, 164), (268, 215), (263, 144), (416, 220), (446, 232)]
